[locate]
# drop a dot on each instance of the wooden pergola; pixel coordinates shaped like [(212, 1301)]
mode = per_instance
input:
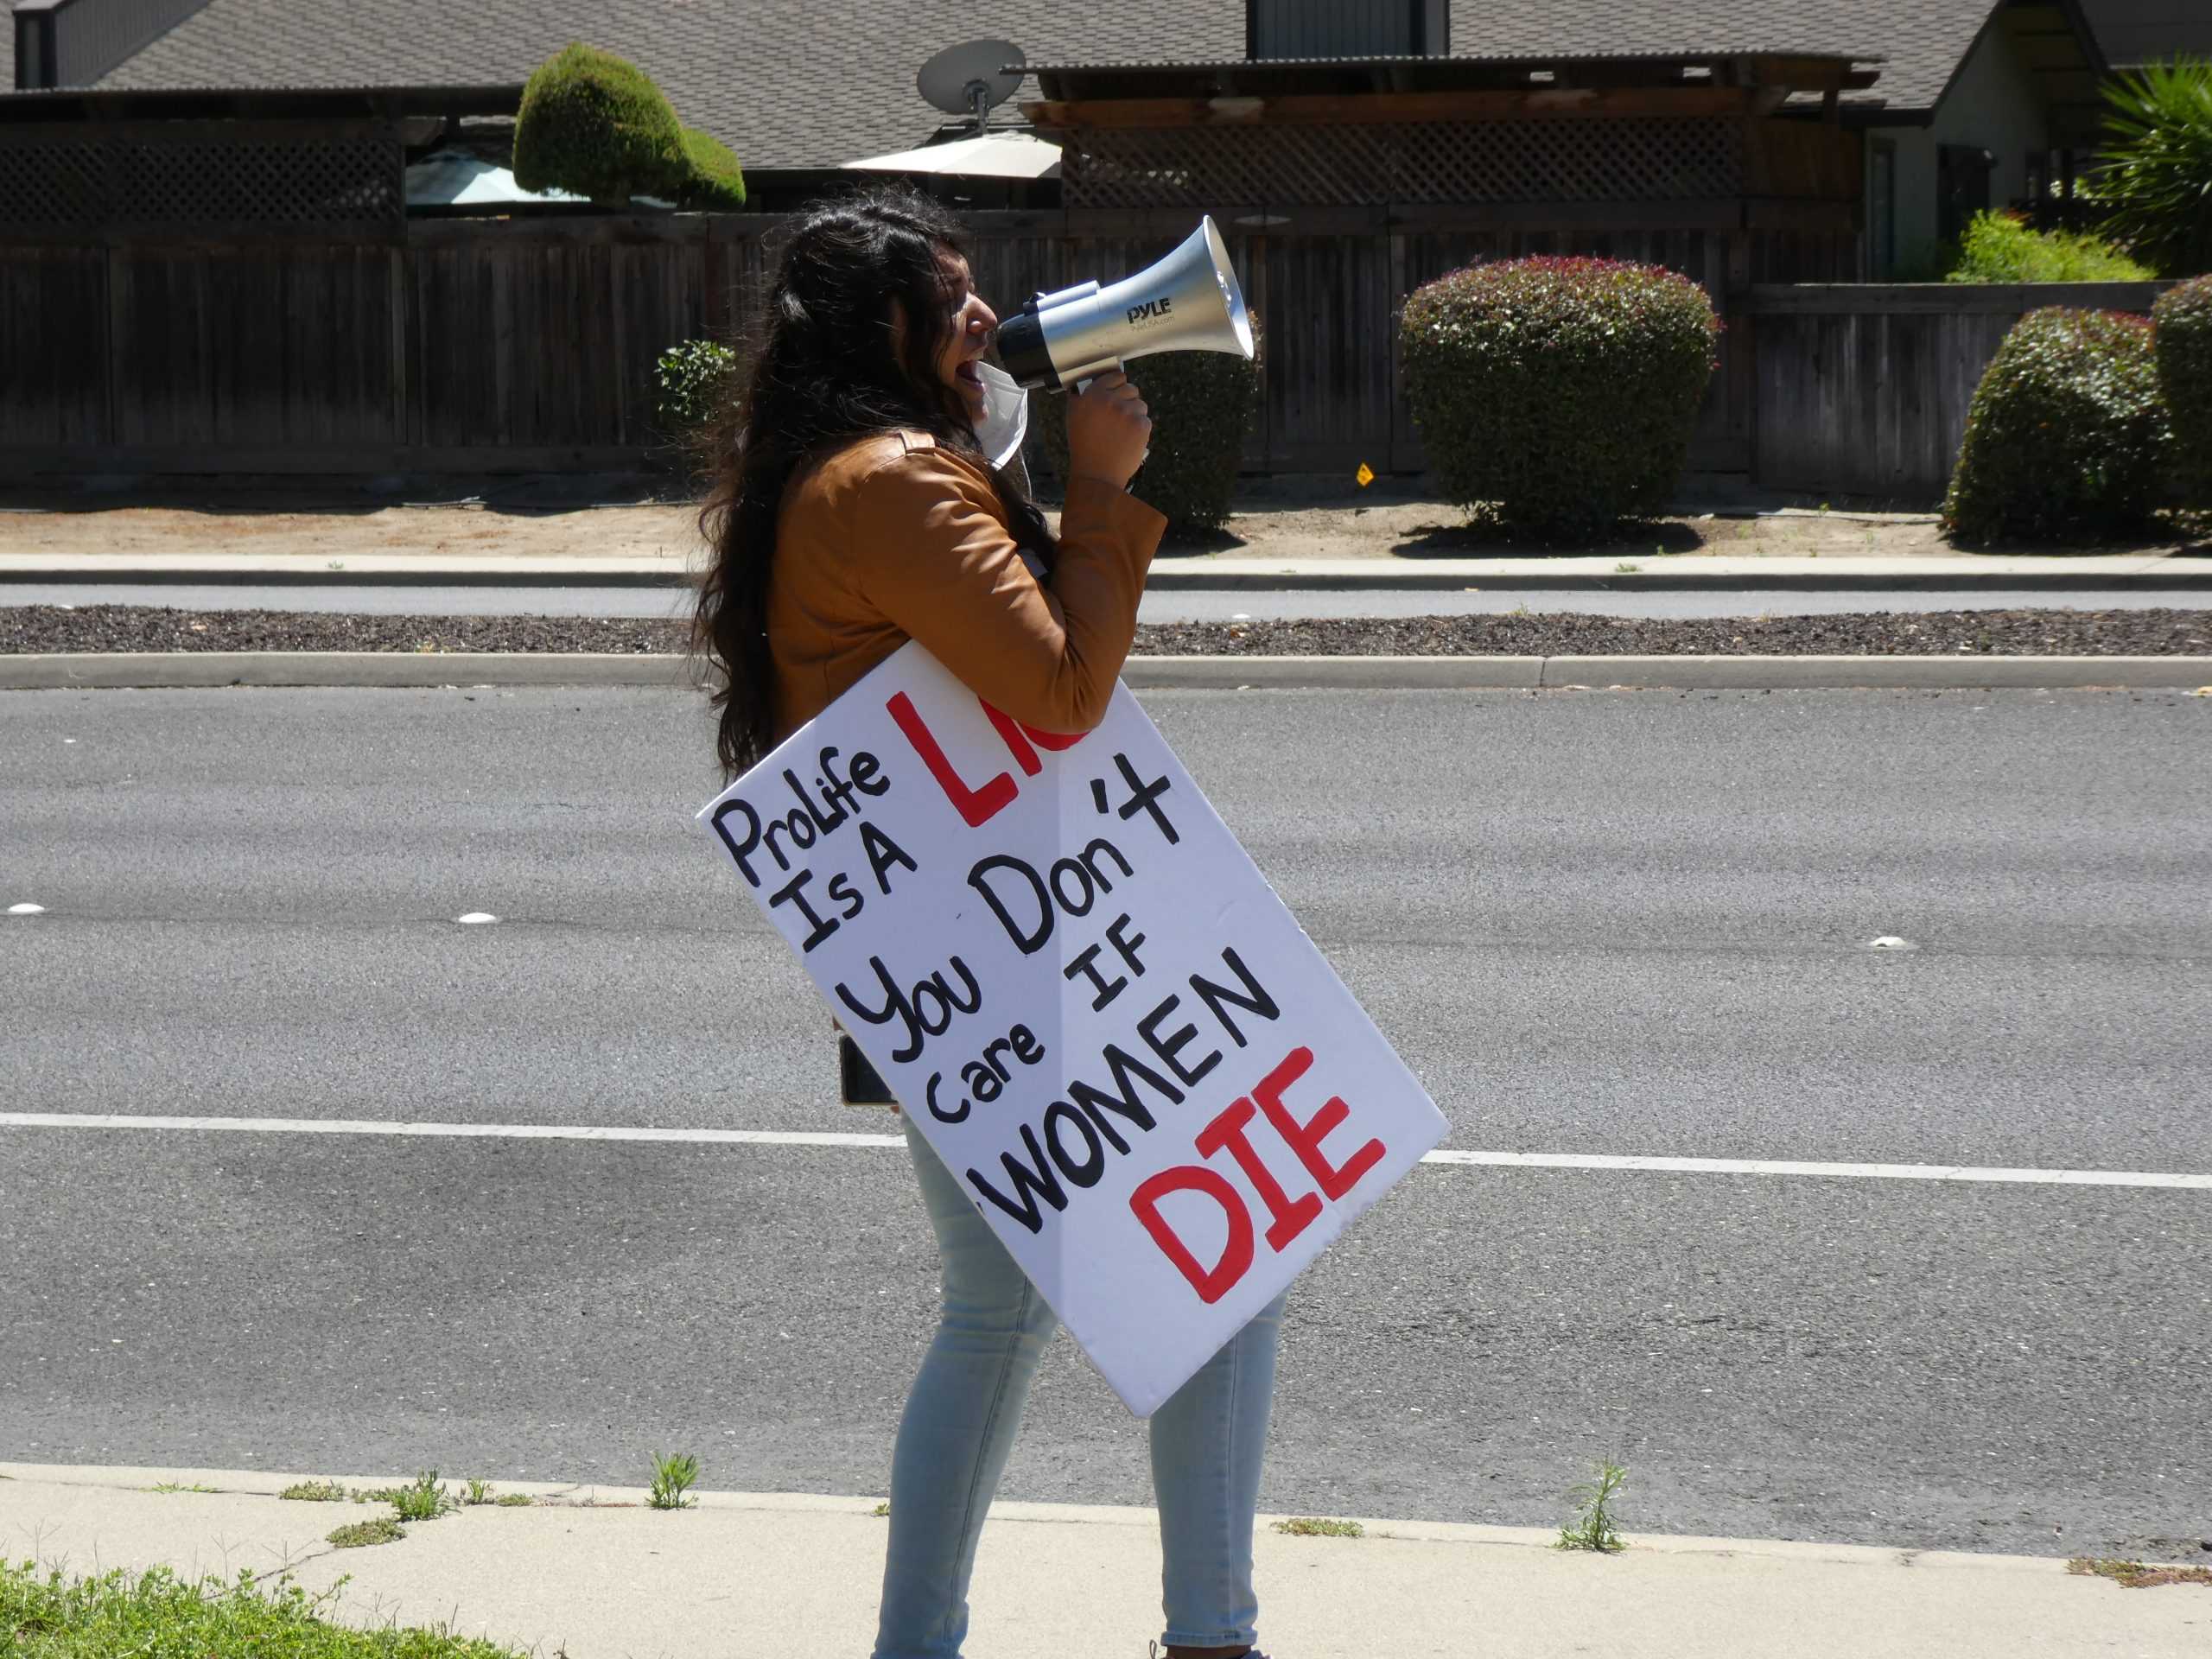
[(1724, 141)]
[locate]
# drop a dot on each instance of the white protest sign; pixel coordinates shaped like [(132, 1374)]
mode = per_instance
[(1116, 1037)]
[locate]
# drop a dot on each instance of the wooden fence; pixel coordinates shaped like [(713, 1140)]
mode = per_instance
[(1862, 389), (474, 346), (528, 345)]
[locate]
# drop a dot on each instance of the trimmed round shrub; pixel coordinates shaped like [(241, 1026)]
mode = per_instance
[(715, 179), (1201, 404), (595, 124), (1559, 393), (2182, 337), (2067, 434)]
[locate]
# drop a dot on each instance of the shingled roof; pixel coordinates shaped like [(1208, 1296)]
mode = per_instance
[(802, 84)]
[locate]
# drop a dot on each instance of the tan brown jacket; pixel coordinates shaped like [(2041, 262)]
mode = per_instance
[(893, 538)]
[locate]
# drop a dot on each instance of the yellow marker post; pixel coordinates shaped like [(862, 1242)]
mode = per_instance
[(1365, 474)]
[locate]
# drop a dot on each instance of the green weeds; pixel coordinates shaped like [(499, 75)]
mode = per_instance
[(158, 1613), (316, 1491), (1313, 1526), (1593, 1527), (377, 1529), (672, 1477), (421, 1499)]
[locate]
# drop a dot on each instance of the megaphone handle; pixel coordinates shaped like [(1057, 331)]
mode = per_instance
[(1083, 386)]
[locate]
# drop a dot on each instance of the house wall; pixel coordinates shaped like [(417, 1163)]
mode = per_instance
[(1333, 28), (1994, 104)]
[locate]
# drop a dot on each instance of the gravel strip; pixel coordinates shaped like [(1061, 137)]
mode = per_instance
[(2006, 633)]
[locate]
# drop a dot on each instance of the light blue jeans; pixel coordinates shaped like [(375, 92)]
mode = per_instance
[(965, 1410)]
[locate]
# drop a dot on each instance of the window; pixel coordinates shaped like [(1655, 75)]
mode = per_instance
[(1881, 210), (1962, 187)]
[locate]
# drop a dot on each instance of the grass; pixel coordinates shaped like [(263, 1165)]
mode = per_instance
[(172, 1486), (157, 1614), (1593, 1526), (672, 1477), (882, 1509), (378, 1529), (2136, 1575), (316, 1491), (1313, 1526), (513, 1500), (1624, 568)]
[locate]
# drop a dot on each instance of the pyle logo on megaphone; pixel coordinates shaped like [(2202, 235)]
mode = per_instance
[(1187, 302)]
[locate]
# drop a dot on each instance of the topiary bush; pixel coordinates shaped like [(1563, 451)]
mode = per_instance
[(2182, 341), (2067, 436), (1560, 393), (1201, 404), (595, 124), (2001, 248), (715, 179)]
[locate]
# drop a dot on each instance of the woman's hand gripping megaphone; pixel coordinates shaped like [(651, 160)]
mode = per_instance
[(1108, 431)]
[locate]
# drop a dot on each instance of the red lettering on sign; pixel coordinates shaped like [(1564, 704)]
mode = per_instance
[(1305, 1139), (1022, 741), (1017, 745), (1290, 1218), (1212, 1283), (976, 806)]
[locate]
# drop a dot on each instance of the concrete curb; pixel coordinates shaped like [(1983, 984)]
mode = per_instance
[(1214, 573), (92, 670)]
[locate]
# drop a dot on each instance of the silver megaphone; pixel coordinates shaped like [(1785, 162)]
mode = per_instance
[(1189, 302)]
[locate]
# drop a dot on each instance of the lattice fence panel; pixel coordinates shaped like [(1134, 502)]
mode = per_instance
[(57, 182), (184, 176), (1655, 159)]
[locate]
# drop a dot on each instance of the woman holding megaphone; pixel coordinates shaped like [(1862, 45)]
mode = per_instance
[(861, 498)]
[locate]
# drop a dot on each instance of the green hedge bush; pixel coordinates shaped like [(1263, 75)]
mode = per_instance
[(714, 179), (2067, 436), (595, 124), (1201, 404), (2182, 337), (1999, 248), (1560, 393)]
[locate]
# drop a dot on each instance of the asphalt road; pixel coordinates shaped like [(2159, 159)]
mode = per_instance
[(1157, 606), (1594, 922)]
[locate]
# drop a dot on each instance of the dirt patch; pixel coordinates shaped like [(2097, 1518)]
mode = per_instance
[(2008, 633), (1274, 519), (1383, 528)]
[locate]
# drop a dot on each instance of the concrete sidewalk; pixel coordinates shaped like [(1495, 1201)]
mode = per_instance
[(1199, 573), (593, 1574)]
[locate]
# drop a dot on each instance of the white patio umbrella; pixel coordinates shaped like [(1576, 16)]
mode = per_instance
[(987, 155)]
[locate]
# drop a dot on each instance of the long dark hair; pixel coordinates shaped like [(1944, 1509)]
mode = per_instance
[(826, 372)]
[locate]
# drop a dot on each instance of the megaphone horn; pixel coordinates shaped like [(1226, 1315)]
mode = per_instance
[(1188, 302)]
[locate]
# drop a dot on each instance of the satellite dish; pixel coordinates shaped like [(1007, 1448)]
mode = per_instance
[(972, 78)]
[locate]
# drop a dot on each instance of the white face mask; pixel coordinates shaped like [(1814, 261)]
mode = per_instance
[(1005, 415)]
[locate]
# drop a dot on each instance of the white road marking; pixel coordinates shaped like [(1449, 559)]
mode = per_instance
[(847, 1138), (475, 918), (27, 910)]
